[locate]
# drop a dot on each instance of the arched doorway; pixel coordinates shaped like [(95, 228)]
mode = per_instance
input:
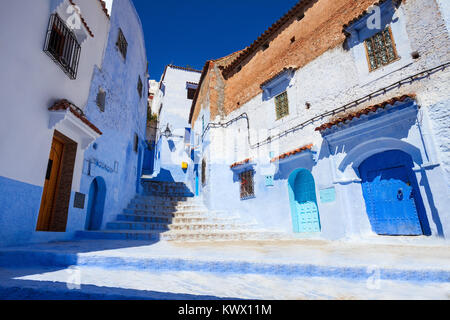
[(392, 194), (96, 204), (304, 209)]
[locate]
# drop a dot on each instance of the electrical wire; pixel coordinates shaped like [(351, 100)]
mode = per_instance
[(398, 84)]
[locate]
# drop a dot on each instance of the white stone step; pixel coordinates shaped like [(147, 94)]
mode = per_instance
[(219, 235), (149, 206)]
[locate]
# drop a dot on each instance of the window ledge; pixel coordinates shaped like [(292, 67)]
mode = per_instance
[(248, 198)]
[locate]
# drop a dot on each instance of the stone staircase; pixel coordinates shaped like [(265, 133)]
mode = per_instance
[(168, 211)]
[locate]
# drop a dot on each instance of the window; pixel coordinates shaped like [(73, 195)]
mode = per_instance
[(203, 172), (380, 49), (136, 143), (62, 46), (122, 44), (191, 93), (140, 86), (203, 124), (247, 185), (282, 105), (101, 99)]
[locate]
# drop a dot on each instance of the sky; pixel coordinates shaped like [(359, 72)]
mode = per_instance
[(188, 33)]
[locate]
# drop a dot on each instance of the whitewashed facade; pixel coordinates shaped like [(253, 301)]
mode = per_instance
[(31, 83)]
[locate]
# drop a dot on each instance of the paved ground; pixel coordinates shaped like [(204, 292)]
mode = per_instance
[(97, 283), (297, 269)]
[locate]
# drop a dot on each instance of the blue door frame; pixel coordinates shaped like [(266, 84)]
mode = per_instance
[(303, 201), (391, 192)]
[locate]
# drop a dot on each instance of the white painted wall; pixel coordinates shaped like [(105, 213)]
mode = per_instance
[(30, 82), (175, 113)]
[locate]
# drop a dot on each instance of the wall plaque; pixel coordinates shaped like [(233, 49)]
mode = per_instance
[(79, 200), (328, 195)]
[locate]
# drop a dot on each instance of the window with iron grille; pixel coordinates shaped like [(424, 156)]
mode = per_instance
[(203, 172), (62, 46), (380, 49), (247, 185), (140, 86), (101, 99), (282, 105), (122, 44), (191, 93)]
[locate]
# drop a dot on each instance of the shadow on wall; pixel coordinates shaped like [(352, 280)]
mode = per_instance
[(172, 146), (434, 212), (164, 176), (287, 167)]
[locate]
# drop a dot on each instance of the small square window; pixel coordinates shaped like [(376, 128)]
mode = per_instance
[(247, 185), (380, 49), (101, 99), (122, 44), (282, 105), (140, 86), (191, 93), (136, 143), (203, 172)]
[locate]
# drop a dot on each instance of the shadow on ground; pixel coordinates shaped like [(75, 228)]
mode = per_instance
[(14, 288)]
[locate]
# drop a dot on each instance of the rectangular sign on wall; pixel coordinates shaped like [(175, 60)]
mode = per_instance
[(328, 195), (79, 200), (269, 181)]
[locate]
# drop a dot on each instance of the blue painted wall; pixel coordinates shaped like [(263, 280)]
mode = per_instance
[(334, 165), (113, 157), (20, 203)]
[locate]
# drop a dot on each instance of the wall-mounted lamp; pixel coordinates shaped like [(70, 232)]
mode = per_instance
[(167, 133)]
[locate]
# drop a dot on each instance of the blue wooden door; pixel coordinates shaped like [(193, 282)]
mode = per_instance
[(390, 194), (306, 213), (92, 222), (96, 204), (196, 185)]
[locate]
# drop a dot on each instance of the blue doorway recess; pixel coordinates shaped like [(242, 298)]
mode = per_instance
[(96, 204), (392, 194), (303, 200)]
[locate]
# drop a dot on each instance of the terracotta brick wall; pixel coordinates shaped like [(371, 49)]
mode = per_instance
[(319, 31), (212, 89)]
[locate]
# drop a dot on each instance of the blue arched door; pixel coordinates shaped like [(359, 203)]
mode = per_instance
[(96, 204), (305, 212), (391, 194)]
